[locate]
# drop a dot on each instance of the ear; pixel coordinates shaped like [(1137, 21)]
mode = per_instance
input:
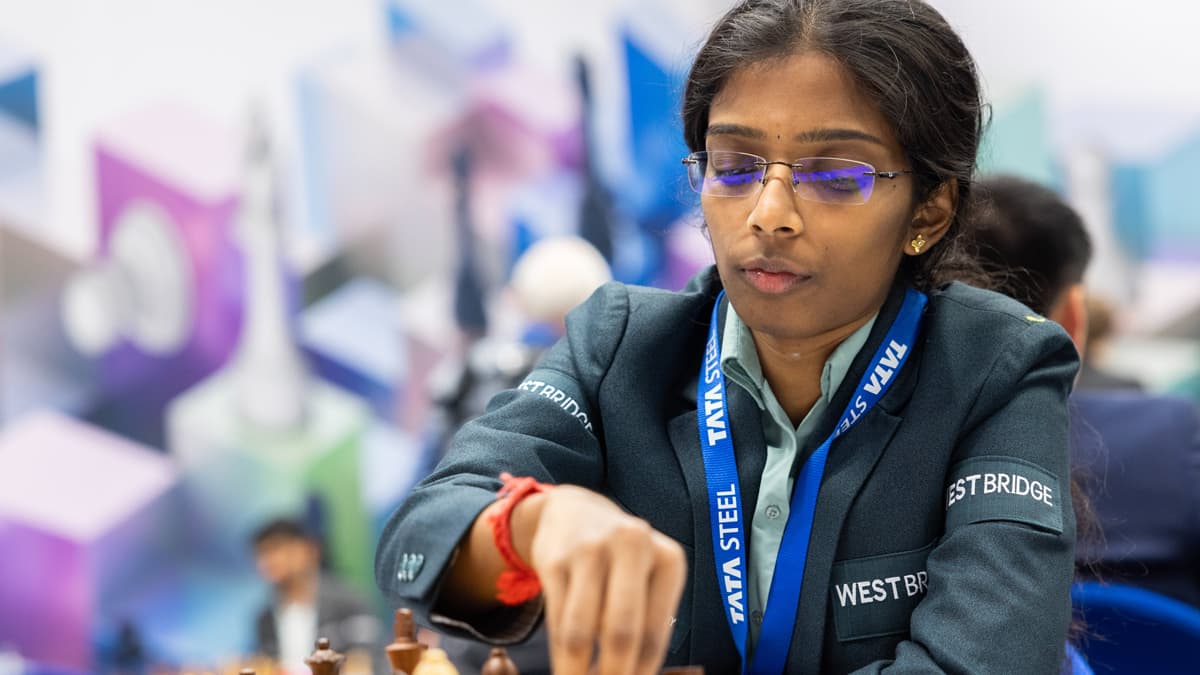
[(1070, 312), (931, 219)]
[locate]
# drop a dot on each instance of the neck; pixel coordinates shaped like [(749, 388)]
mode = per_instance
[(792, 366), (299, 590)]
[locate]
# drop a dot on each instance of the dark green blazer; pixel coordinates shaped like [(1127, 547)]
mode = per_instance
[(943, 538)]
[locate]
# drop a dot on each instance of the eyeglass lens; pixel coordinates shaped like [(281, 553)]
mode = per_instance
[(822, 179)]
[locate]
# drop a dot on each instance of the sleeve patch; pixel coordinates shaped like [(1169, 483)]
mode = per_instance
[(993, 487), (559, 390)]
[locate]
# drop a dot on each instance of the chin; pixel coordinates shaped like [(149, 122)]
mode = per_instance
[(780, 316)]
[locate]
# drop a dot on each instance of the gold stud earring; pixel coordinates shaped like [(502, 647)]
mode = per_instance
[(917, 243)]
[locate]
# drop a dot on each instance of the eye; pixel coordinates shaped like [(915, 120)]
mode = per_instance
[(737, 175), (733, 170), (835, 181), (835, 177)]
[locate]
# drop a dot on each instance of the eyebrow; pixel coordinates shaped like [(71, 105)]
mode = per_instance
[(811, 136)]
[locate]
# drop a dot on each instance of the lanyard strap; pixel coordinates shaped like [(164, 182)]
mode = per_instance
[(725, 501)]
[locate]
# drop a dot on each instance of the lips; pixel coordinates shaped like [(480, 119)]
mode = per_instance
[(773, 276)]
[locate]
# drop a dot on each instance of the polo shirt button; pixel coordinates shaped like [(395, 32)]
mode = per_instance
[(756, 616), (773, 511)]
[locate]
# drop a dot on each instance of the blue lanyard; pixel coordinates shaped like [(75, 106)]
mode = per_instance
[(724, 489)]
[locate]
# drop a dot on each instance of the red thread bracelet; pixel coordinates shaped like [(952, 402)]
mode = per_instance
[(519, 583)]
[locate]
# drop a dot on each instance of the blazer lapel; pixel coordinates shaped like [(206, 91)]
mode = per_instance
[(750, 448)]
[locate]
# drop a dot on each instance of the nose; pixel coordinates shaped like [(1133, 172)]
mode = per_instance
[(776, 212)]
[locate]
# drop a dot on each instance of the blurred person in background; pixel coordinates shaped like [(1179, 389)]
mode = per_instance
[(309, 603), (1092, 375), (1141, 453)]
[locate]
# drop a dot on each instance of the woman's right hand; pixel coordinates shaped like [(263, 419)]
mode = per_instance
[(610, 581)]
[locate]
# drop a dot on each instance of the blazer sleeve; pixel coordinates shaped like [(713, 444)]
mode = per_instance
[(999, 579), (548, 427)]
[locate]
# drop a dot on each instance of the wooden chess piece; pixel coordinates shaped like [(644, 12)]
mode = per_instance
[(405, 652), (435, 662), (324, 661), (498, 663)]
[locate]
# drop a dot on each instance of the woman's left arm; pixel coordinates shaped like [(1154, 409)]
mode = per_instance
[(999, 579)]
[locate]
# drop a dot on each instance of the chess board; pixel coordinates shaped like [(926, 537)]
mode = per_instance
[(407, 656)]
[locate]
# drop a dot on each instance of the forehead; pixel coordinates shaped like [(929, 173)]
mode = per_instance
[(798, 94)]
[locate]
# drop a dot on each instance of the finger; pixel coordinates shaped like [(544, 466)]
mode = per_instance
[(554, 594), (667, 578), (624, 614), (571, 644)]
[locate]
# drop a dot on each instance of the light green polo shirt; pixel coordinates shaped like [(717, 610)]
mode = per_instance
[(739, 362)]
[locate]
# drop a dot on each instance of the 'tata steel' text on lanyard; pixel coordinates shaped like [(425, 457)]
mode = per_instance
[(724, 489)]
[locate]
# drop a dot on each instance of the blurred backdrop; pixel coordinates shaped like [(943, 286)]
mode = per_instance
[(258, 259)]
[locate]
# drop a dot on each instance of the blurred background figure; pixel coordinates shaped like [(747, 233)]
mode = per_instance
[(1138, 454), (1092, 374), (308, 603), (1036, 249)]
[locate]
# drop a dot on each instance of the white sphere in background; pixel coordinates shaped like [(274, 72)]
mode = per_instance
[(555, 275)]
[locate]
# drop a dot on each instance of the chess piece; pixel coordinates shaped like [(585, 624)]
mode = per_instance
[(405, 652), (435, 662), (499, 664), (324, 661)]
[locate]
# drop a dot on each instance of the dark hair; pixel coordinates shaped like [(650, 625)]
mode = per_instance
[(904, 57), (1035, 242), (288, 528)]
